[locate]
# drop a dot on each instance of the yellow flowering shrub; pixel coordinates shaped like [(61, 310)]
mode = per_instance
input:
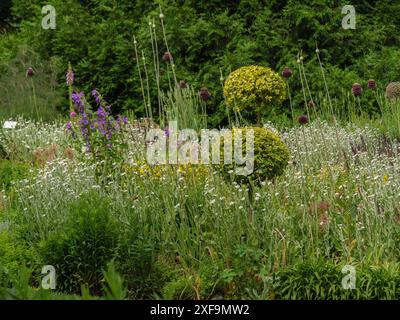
[(271, 155), (254, 88)]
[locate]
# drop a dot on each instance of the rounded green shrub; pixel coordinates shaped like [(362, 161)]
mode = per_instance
[(254, 88), (271, 155), (393, 90)]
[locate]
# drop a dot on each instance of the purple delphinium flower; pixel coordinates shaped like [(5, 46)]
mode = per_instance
[(303, 119), (68, 126), (287, 72), (101, 113), (96, 96), (357, 89), (167, 132), (77, 99)]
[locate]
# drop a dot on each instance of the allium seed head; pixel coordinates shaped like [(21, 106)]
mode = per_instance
[(167, 57), (204, 94), (287, 72), (183, 84), (371, 84), (303, 119), (357, 89), (30, 72), (393, 90)]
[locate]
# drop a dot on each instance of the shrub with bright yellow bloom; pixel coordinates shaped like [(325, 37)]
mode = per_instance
[(254, 88)]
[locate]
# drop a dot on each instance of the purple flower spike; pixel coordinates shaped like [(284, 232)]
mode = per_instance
[(101, 112), (77, 99), (96, 96)]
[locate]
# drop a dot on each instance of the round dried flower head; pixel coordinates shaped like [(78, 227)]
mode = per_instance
[(393, 90), (303, 119), (183, 84), (356, 89), (311, 104), (30, 72), (204, 94), (161, 16), (167, 57), (287, 72), (371, 84)]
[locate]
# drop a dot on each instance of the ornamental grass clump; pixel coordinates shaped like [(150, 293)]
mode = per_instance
[(254, 89)]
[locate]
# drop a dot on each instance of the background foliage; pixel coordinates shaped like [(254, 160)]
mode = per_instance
[(97, 37)]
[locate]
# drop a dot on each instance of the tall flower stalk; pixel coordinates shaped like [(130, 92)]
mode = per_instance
[(140, 76), (166, 45), (70, 77)]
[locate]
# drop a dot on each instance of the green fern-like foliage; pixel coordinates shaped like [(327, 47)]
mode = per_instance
[(254, 88), (271, 155)]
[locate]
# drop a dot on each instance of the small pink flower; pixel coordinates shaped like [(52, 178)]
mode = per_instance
[(72, 114)]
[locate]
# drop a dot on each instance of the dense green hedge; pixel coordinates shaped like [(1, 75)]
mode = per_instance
[(97, 37)]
